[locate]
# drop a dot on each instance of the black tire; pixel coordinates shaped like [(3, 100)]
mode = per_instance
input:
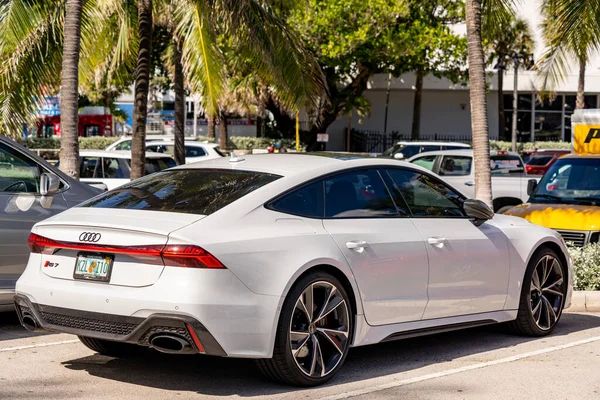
[(525, 324), (283, 367), (110, 348)]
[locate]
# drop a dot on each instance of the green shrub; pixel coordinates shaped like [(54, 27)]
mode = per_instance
[(507, 146), (586, 263), (87, 143)]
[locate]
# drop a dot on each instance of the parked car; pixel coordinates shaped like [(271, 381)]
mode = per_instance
[(125, 142), (113, 168), (194, 151), (263, 258), (30, 190), (539, 162), (509, 181), (406, 150)]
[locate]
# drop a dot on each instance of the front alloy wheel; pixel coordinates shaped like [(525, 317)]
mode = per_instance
[(314, 332)]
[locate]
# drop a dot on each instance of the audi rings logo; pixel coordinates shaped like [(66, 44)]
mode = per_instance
[(90, 237)]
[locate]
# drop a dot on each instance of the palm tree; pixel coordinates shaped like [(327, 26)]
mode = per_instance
[(493, 13), (571, 29), (142, 88), (515, 39), (69, 90)]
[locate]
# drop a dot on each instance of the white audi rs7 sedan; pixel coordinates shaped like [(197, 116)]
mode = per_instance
[(288, 259)]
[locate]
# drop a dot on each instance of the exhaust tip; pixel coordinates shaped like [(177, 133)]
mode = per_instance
[(170, 344), (29, 323)]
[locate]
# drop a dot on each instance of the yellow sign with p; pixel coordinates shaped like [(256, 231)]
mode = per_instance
[(586, 138)]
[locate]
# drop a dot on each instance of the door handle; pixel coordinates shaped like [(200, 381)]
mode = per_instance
[(438, 242), (357, 245), (469, 183)]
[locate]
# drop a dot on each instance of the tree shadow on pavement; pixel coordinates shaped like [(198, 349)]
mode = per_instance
[(224, 376), (10, 328)]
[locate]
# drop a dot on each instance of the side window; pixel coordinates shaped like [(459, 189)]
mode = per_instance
[(88, 167), (111, 169), (425, 149), (358, 194), (124, 145), (18, 173), (305, 202), (425, 162), (153, 149), (456, 166), (194, 151), (425, 196)]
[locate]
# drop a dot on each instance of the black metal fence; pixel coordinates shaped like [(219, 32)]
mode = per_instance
[(365, 141)]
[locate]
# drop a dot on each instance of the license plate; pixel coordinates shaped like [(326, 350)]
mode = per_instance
[(93, 267)]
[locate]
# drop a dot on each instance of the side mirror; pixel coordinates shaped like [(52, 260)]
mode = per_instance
[(478, 210), (49, 184), (531, 186), (399, 156)]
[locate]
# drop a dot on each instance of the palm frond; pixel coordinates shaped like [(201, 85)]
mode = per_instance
[(496, 15), (202, 61)]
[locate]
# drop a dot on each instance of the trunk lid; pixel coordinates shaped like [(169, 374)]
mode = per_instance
[(106, 228)]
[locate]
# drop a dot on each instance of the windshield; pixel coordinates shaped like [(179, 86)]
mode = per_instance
[(570, 180), (506, 163), (408, 150)]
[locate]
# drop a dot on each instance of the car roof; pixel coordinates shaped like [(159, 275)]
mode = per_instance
[(187, 142), (575, 155), (467, 146), (125, 154), (466, 152), (299, 164)]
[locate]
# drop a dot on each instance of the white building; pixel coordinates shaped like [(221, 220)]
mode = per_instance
[(445, 106)]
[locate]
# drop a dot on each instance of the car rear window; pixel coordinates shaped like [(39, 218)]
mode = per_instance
[(506, 163), (540, 160), (190, 191)]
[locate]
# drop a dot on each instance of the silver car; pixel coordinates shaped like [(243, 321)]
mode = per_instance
[(30, 190)]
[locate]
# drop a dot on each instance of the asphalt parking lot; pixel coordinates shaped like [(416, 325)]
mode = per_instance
[(483, 363)]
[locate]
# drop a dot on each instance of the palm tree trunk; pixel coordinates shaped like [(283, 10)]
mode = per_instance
[(179, 153), (580, 104), (142, 87), (479, 120), (515, 117), (501, 117), (211, 126), (69, 144), (223, 133), (416, 122)]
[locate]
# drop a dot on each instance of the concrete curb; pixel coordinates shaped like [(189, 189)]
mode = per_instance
[(585, 301)]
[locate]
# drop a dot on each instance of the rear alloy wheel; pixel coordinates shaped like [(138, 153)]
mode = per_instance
[(110, 348), (314, 333), (543, 295)]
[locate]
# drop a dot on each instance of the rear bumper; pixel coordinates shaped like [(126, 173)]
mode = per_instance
[(132, 330), (242, 322)]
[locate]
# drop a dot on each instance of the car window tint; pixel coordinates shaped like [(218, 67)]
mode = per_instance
[(194, 151), (111, 169), (409, 150), (191, 191), (425, 196), (456, 166), (18, 173), (358, 194), (88, 167), (306, 201), (425, 162)]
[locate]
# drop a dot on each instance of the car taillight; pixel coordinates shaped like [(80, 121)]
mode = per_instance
[(528, 168), (187, 256)]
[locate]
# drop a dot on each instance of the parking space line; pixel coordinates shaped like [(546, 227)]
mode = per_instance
[(404, 382), (33, 346)]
